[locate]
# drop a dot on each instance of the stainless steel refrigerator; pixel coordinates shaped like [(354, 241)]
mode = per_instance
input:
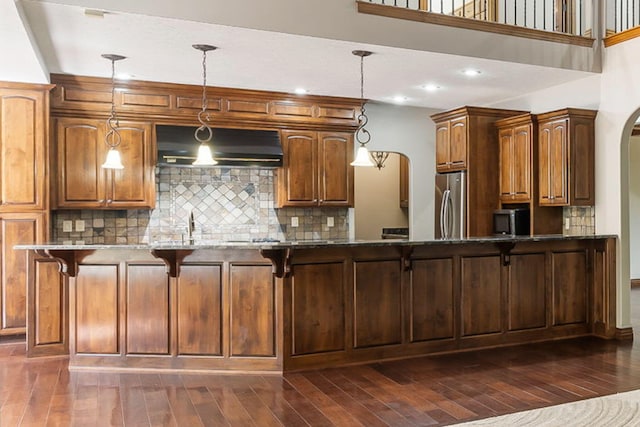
[(451, 205)]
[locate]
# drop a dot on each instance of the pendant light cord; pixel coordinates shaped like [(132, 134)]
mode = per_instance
[(362, 135), (112, 138), (203, 116)]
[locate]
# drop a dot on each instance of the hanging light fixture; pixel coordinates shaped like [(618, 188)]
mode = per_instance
[(362, 135), (205, 158), (379, 157), (112, 138)]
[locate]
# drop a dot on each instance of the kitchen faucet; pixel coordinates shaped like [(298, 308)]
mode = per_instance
[(190, 227)]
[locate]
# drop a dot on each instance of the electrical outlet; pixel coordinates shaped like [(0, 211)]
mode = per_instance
[(67, 226), (294, 221), (330, 222), (567, 224), (79, 225)]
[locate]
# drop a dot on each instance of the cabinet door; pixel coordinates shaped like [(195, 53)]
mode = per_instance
[(442, 147), (515, 163), (521, 163), (553, 163), (23, 149), (458, 144), (297, 183), (505, 139), (80, 152), (335, 174), (133, 186), (404, 181), (23, 228), (83, 183)]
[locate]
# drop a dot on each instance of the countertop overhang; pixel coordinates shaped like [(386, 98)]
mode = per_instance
[(304, 244)]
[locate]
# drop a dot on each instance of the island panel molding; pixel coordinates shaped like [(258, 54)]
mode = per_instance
[(342, 303)]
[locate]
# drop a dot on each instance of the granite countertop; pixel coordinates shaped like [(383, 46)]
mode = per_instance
[(307, 244)]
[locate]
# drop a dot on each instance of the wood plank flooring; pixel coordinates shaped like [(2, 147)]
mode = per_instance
[(427, 391)]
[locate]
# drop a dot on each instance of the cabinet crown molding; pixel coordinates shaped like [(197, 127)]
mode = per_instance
[(173, 103)]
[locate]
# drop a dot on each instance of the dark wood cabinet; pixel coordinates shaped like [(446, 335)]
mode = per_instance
[(223, 308), (404, 181), (467, 139), (566, 170), (518, 138), (24, 192), (83, 183), (316, 170)]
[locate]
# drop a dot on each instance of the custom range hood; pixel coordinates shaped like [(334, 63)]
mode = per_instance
[(231, 147)]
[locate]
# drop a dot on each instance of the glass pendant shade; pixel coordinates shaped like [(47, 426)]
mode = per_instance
[(204, 156), (362, 157), (113, 160)]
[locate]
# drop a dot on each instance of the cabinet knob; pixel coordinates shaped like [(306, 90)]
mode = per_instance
[(109, 201)]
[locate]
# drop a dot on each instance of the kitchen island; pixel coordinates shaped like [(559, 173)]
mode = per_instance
[(275, 307)]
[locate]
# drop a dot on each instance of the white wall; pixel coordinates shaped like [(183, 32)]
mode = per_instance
[(634, 206), (410, 131), (377, 199)]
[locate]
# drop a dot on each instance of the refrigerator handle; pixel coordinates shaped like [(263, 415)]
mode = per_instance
[(444, 214), (449, 217)]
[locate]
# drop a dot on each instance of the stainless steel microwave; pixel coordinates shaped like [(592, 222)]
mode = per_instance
[(511, 222)]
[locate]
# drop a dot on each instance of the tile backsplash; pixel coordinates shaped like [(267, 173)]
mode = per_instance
[(227, 204), (581, 221)]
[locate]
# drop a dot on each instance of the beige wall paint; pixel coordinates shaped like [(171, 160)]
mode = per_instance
[(634, 206), (377, 203)]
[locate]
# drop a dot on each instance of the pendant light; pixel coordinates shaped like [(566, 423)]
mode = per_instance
[(362, 135), (205, 157), (379, 157), (113, 138)]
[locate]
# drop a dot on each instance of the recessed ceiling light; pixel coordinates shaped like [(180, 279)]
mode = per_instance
[(301, 91), (431, 87), (470, 72), (94, 13), (400, 98)]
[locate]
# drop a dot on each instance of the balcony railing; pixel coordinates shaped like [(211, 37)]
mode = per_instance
[(622, 15), (561, 16)]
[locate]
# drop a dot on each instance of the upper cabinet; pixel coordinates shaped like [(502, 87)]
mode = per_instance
[(24, 136), (516, 139), (451, 144), (316, 170), (566, 157), (83, 183)]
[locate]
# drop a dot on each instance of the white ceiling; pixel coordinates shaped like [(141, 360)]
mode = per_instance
[(159, 49)]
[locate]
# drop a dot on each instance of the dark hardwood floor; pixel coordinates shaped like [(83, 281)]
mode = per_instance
[(425, 391)]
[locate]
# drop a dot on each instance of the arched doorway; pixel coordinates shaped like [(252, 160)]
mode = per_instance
[(629, 257), (633, 215)]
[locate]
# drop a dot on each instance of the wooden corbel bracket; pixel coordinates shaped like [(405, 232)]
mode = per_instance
[(67, 259), (172, 258), (406, 257), (280, 260), (505, 251)]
